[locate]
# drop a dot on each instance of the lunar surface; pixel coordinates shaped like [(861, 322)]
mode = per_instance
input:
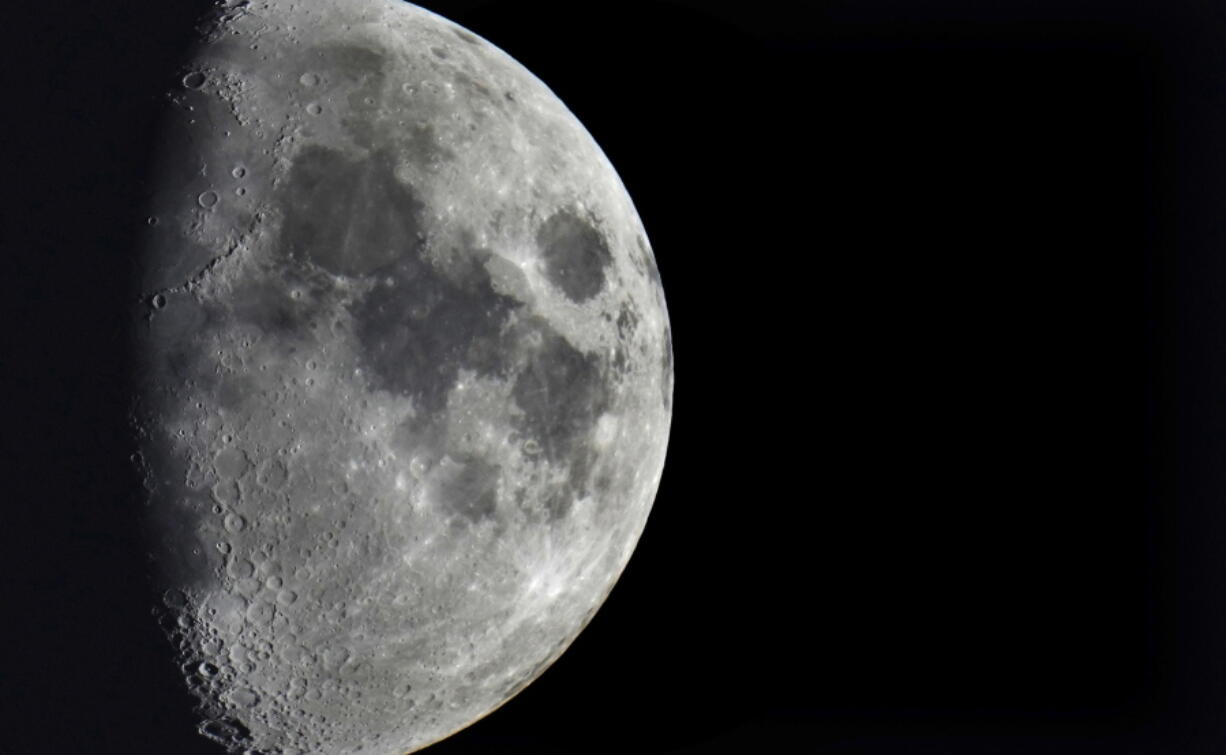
[(405, 373)]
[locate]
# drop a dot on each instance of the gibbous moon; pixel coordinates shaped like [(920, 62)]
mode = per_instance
[(406, 376)]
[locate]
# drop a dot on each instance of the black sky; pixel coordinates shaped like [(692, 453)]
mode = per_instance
[(947, 283)]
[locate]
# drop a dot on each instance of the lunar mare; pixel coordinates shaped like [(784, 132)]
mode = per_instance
[(405, 371)]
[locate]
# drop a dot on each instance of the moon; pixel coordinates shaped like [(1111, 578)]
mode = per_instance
[(405, 376)]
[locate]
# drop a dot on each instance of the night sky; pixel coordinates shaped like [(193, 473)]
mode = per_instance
[(947, 470)]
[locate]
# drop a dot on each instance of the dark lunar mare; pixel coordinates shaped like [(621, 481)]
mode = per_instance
[(418, 328), (422, 323), (575, 253), (348, 216), (362, 70), (562, 392)]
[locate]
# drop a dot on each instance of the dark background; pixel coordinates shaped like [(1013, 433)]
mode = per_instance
[(947, 471)]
